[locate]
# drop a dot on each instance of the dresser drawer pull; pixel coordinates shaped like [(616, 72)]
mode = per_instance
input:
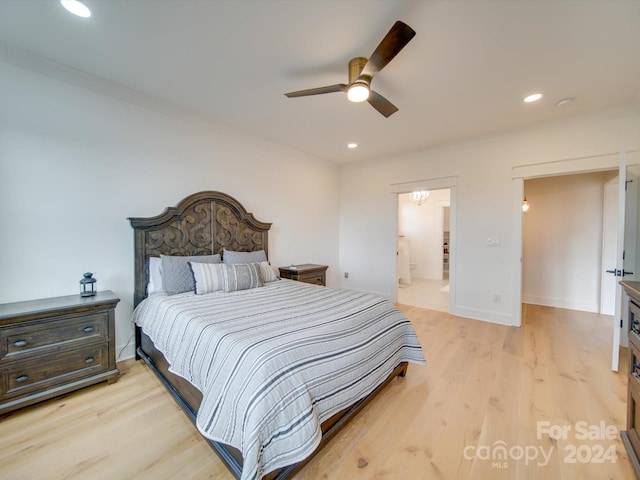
[(20, 343), (88, 329), (22, 378), (635, 326), (89, 360)]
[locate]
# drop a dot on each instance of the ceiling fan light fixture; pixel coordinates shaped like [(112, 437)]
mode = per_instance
[(77, 8), (358, 92)]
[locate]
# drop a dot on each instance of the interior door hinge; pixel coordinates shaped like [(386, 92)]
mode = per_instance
[(620, 323)]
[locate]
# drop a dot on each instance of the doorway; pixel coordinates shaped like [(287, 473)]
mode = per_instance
[(626, 165), (563, 233), (424, 249)]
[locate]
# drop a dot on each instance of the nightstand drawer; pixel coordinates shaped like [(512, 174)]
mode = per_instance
[(306, 272), (46, 372), (23, 339), (315, 278)]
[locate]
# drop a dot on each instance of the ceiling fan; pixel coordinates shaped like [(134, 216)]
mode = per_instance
[(362, 71)]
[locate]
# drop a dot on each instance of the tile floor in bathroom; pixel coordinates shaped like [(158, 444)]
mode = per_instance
[(424, 293)]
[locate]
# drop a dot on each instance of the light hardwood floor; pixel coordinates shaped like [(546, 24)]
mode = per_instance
[(486, 386)]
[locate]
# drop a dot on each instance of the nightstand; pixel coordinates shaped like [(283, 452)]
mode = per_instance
[(52, 346), (306, 272)]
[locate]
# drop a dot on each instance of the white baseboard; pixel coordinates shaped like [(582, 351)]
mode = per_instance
[(561, 303), (483, 315)]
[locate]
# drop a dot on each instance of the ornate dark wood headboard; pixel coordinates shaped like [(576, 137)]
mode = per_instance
[(204, 223)]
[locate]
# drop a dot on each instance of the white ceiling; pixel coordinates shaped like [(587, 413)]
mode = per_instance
[(463, 76)]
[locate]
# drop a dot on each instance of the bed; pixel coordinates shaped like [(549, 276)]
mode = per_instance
[(267, 374)]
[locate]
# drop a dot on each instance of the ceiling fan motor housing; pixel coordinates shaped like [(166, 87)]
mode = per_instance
[(355, 67)]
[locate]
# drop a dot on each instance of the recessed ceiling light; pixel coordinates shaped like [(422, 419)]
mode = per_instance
[(76, 7), (533, 97), (564, 102), (352, 145)]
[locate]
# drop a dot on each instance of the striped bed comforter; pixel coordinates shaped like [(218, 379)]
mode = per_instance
[(274, 362)]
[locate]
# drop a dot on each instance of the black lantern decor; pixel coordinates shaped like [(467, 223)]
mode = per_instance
[(88, 285)]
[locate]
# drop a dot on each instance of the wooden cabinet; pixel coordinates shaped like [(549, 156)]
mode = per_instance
[(53, 346), (631, 437), (306, 272)]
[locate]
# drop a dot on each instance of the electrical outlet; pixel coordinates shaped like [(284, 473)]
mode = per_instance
[(497, 298), (346, 274)]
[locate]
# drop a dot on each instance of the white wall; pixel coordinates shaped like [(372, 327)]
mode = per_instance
[(562, 248), (484, 208), (74, 164), (423, 226)]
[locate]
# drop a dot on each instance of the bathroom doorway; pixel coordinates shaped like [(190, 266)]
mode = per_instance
[(424, 249)]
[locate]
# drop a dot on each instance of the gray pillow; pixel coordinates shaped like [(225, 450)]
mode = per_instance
[(176, 274), (229, 256), (241, 276)]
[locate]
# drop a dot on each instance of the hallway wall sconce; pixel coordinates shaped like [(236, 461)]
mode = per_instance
[(525, 205), (419, 197)]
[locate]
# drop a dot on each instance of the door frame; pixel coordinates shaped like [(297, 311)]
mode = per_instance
[(608, 161), (440, 183), (609, 246)]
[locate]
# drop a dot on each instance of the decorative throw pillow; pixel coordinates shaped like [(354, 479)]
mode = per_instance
[(229, 257), (207, 277), (267, 273), (176, 274), (155, 276), (241, 276)]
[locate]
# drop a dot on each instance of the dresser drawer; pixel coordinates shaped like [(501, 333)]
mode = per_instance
[(53, 370), (31, 337), (633, 406), (634, 324)]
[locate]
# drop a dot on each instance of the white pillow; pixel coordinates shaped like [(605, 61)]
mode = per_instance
[(207, 277), (155, 276), (268, 273)]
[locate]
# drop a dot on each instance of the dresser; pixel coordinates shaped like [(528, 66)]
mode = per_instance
[(306, 272), (52, 346), (631, 437)]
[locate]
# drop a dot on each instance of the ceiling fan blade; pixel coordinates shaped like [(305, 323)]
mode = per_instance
[(340, 87), (395, 40), (381, 104)]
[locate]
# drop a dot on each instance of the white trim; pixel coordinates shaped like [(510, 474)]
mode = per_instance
[(440, 183), (595, 163), (593, 307), (453, 243), (516, 281), (483, 315)]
